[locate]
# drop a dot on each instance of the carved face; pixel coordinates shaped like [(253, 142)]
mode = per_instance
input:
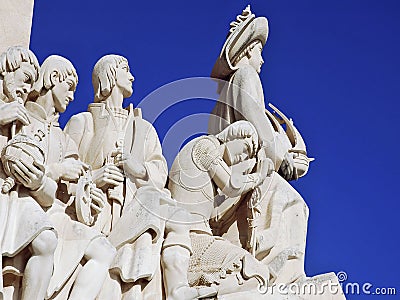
[(124, 79), (256, 60), (238, 150), (20, 81), (63, 93)]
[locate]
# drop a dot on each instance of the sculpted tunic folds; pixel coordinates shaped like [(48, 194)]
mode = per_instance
[(22, 218), (196, 181), (242, 98), (73, 236), (97, 134)]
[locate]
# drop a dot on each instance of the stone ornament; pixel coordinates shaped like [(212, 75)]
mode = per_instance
[(21, 148), (86, 210), (90, 206)]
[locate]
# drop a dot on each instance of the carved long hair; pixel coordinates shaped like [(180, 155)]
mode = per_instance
[(53, 64), (104, 75), (11, 60)]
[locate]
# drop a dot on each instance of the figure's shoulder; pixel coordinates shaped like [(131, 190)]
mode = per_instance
[(205, 151), (245, 72), (82, 117), (146, 123), (143, 123), (79, 122)]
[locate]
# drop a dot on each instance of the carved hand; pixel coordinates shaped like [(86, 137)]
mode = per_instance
[(70, 170), (287, 166), (265, 166), (30, 176), (13, 111), (264, 241), (109, 174), (132, 167), (244, 167), (98, 199)]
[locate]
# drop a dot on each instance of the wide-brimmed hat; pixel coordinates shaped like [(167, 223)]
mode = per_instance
[(246, 29)]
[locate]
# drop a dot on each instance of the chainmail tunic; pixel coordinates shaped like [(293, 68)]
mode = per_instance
[(210, 261)]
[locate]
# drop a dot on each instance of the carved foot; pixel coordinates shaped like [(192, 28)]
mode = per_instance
[(192, 293)]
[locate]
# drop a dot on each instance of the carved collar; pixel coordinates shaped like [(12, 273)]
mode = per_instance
[(38, 112), (100, 110)]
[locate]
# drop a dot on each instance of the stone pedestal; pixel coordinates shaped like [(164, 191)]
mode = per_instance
[(15, 23)]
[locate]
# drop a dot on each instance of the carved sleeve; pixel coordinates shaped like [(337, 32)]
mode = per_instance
[(231, 180), (246, 87), (250, 106), (147, 150), (75, 130), (46, 194)]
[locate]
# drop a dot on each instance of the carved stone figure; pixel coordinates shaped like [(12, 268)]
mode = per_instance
[(211, 173), (242, 98), (125, 154), (50, 96), (272, 224), (26, 190)]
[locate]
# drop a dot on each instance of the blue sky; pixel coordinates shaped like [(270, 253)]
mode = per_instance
[(333, 66)]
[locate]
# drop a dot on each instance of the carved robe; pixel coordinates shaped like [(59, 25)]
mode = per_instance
[(195, 182), (242, 98), (73, 236), (22, 218), (98, 133)]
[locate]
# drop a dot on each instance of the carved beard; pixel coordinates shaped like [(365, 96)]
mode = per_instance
[(9, 88)]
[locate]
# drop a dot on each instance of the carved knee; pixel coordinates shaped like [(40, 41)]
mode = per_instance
[(109, 252), (175, 257), (102, 251), (177, 230), (173, 239), (45, 243)]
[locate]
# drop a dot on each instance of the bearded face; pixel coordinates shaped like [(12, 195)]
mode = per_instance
[(18, 84)]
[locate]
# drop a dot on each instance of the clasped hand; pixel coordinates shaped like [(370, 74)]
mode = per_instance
[(69, 170), (30, 176), (129, 164), (13, 111), (287, 167), (265, 166), (98, 199)]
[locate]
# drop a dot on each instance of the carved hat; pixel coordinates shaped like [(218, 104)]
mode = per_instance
[(244, 30)]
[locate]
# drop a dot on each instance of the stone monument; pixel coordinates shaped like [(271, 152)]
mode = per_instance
[(89, 212)]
